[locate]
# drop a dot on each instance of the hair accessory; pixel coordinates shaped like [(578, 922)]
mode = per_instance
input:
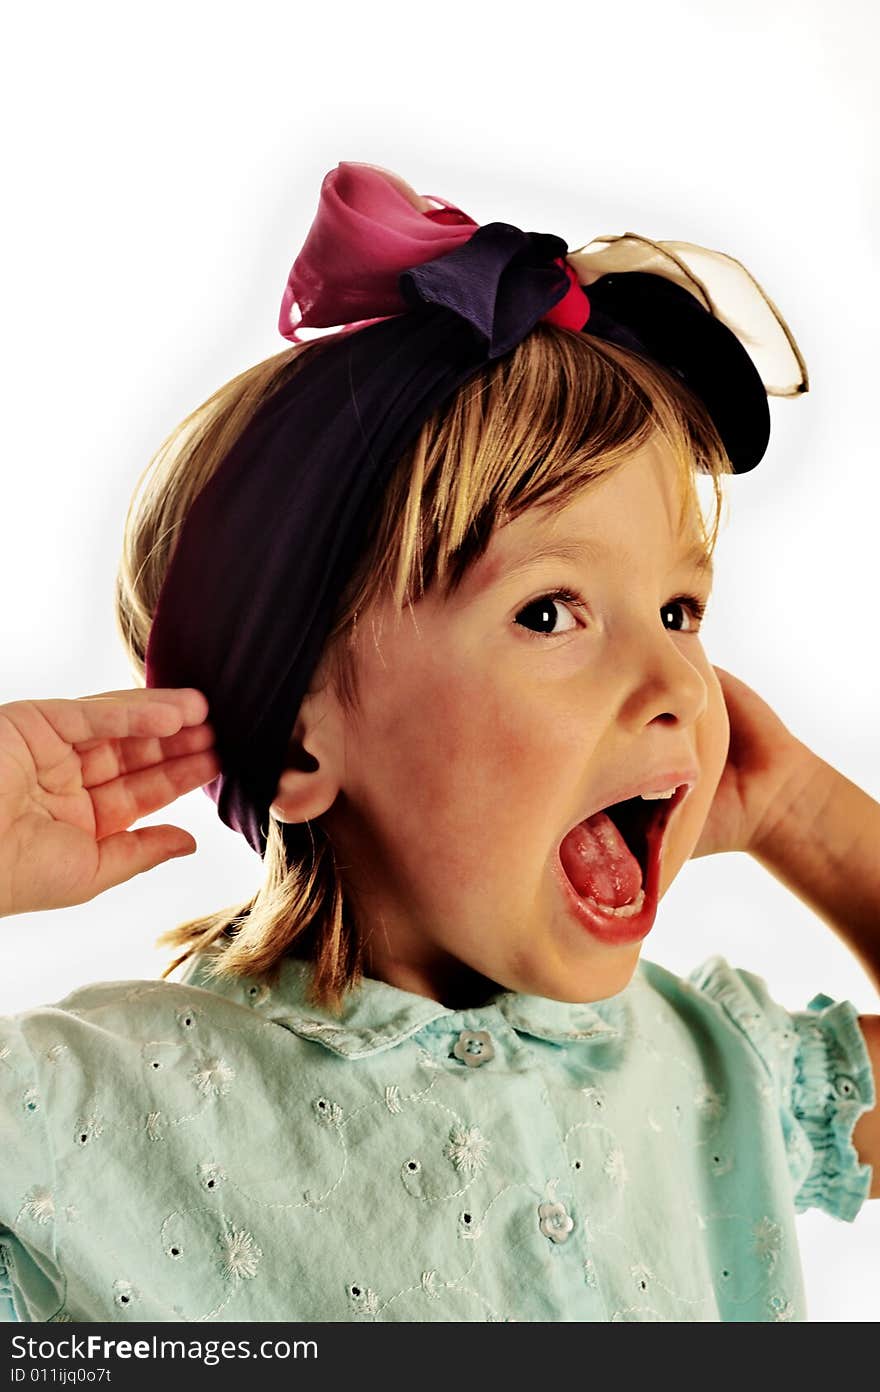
[(268, 545)]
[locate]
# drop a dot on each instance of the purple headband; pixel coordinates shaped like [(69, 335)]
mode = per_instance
[(267, 547)]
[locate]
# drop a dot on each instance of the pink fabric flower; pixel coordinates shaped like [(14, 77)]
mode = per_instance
[(370, 226)]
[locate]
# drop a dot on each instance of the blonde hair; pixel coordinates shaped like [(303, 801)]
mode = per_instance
[(536, 426)]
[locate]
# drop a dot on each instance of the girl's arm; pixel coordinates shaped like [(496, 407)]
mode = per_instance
[(824, 845), (817, 833), (825, 848)]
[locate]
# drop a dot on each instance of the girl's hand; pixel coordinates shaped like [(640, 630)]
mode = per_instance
[(75, 774), (765, 763)]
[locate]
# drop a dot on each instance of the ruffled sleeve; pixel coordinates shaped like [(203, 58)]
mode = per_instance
[(28, 1268), (820, 1074), (7, 1309)]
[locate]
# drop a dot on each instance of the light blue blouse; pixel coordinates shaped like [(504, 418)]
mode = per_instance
[(201, 1150)]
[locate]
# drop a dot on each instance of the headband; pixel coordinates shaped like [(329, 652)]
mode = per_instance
[(420, 298)]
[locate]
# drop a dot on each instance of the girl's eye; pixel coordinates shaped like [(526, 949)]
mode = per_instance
[(695, 606), (542, 613)]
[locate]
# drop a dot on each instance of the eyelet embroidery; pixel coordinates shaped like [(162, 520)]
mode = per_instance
[(782, 1308), (596, 1095), (392, 1099), (210, 1175), (31, 1101), (330, 1113), (468, 1226), (363, 1300), (641, 1274), (186, 1019), (88, 1129), (125, 1293), (720, 1164)]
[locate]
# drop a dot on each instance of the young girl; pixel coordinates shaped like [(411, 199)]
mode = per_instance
[(418, 603)]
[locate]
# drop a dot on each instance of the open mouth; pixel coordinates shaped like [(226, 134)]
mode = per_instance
[(611, 864)]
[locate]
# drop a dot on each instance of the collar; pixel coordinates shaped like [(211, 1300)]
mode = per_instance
[(376, 1016)]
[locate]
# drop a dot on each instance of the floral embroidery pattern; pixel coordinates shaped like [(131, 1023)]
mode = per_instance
[(288, 1140), (213, 1077), (767, 1240), (467, 1149), (39, 1204), (615, 1166), (241, 1255)]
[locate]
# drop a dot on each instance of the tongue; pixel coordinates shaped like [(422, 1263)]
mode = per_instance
[(599, 863)]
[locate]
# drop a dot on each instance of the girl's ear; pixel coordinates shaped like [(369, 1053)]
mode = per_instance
[(311, 778)]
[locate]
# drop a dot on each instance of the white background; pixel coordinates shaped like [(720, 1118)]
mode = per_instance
[(161, 170)]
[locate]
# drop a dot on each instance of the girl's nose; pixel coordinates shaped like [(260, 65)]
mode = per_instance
[(662, 681)]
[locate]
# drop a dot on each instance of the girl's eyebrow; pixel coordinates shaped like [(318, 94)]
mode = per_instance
[(574, 549)]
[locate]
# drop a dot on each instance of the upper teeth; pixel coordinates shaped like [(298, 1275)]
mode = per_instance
[(670, 792)]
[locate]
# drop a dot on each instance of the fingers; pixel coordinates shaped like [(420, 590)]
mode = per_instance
[(125, 800), (151, 711), (50, 724), (130, 853), (107, 759)]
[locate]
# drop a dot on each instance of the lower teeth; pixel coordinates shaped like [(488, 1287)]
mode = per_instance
[(624, 911)]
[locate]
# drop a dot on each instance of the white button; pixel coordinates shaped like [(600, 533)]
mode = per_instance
[(474, 1047), (555, 1221)]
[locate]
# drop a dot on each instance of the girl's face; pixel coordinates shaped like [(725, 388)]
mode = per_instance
[(492, 723)]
